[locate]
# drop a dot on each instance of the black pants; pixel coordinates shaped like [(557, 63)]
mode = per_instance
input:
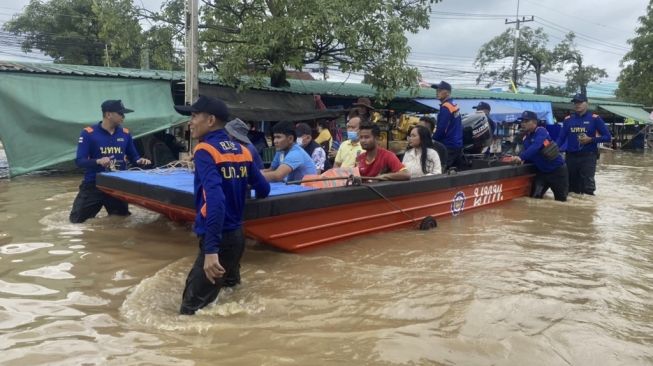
[(455, 158), (557, 180), (89, 202), (582, 167), (199, 292)]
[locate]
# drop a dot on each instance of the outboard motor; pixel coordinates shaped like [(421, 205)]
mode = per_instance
[(477, 134)]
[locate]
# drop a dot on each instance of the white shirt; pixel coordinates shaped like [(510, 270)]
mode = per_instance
[(413, 162)]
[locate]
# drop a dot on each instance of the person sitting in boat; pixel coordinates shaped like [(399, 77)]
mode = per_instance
[(351, 148), (237, 131), (421, 159), (104, 146), (376, 161), (324, 137), (540, 150), (429, 123), (290, 162), (312, 148), (224, 170)]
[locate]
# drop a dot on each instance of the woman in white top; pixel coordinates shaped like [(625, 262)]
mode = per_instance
[(421, 159)]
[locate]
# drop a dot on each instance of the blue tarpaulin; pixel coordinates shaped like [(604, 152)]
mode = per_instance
[(502, 110)]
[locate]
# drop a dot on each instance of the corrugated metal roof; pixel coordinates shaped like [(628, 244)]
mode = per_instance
[(320, 87)]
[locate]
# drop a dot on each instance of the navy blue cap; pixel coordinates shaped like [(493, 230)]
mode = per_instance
[(112, 105), (579, 98), (482, 106), (208, 105), (443, 85), (527, 116)]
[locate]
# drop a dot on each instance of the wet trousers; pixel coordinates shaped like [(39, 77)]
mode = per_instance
[(582, 167), (89, 202), (199, 291), (557, 180)]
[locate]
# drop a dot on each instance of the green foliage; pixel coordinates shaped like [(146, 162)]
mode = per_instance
[(91, 32), (579, 75), (533, 57), (636, 78), (264, 38)]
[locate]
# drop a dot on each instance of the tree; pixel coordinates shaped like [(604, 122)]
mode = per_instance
[(264, 38), (533, 57), (636, 78), (88, 32), (579, 75)]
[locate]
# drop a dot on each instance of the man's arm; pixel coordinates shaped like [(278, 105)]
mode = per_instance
[(258, 182), (278, 174), (606, 136), (397, 170), (443, 121), (534, 148), (211, 182), (83, 158), (132, 153)]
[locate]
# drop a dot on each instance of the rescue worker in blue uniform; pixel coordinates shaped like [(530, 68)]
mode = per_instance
[(551, 170), (449, 127), (104, 146), (223, 170), (580, 133)]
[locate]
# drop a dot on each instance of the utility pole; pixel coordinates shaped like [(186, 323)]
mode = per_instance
[(191, 87), (517, 22), (191, 84)]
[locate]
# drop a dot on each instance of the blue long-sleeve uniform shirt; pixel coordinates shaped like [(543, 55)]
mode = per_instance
[(223, 170), (533, 143), (449, 129), (590, 124), (95, 142)]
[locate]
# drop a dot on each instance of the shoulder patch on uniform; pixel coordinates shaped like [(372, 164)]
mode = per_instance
[(567, 117), (594, 115), (125, 130), (89, 129), (452, 108)]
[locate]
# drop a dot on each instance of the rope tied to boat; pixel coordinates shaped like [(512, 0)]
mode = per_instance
[(169, 168)]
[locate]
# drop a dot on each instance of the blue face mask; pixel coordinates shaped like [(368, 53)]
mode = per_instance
[(352, 135)]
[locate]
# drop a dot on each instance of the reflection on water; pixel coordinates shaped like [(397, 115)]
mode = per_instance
[(531, 282)]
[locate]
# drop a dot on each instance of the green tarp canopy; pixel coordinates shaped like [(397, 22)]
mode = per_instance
[(635, 113), (41, 116)]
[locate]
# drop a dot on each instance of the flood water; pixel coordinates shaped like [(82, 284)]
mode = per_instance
[(529, 282)]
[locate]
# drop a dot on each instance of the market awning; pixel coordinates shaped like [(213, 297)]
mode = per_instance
[(634, 113), (262, 105), (502, 110), (42, 115)]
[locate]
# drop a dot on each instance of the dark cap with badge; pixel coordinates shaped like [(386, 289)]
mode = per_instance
[(579, 98), (206, 104), (528, 116), (482, 106), (115, 106), (443, 85)]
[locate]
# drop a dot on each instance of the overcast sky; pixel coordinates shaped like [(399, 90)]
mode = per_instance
[(459, 27)]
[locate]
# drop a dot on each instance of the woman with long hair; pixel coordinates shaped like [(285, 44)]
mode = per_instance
[(421, 159)]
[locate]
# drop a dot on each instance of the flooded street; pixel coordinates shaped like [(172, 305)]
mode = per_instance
[(529, 282)]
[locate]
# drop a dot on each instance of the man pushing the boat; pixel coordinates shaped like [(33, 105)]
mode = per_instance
[(223, 171)]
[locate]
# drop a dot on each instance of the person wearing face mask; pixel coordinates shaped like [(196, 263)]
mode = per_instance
[(350, 149), (312, 148)]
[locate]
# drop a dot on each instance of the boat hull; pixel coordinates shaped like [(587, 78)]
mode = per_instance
[(303, 220)]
